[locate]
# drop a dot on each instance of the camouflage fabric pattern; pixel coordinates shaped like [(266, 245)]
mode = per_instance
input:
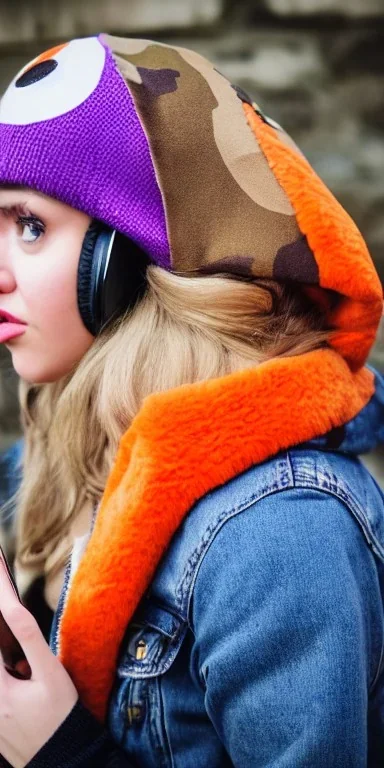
[(225, 210)]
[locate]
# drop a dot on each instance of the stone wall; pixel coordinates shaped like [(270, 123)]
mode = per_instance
[(316, 66)]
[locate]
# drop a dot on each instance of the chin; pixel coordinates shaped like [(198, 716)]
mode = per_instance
[(37, 378), (37, 374)]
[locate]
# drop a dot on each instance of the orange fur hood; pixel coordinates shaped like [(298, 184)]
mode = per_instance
[(183, 444)]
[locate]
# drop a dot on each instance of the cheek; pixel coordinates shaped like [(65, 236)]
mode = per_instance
[(57, 301), (51, 286), (54, 288), (60, 317), (57, 334)]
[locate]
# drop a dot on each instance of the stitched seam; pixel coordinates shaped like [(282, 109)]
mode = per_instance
[(345, 494), (291, 470), (341, 494), (168, 753), (285, 480), (204, 540), (289, 478), (304, 487), (184, 592)]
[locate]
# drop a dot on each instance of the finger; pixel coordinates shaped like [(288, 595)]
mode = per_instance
[(24, 627), (11, 652), (28, 634)]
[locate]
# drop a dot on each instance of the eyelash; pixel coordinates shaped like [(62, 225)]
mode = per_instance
[(31, 221)]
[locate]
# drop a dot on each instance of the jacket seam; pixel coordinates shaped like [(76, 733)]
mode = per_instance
[(292, 479), (306, 486), (199, 553), (342, 495), (286, 480), (193, 562), (346, 495)]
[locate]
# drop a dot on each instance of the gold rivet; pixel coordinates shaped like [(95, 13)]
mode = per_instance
[(141, 650), (134, 714)]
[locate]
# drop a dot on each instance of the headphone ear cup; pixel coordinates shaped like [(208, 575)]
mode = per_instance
[(85, 278), (123, 282), (110, 277)]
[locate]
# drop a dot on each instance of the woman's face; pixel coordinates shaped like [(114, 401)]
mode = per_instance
[(40, 244)]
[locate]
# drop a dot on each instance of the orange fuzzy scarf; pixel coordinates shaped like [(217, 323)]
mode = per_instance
[(181, 445)]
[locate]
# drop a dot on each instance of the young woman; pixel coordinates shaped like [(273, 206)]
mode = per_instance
[(190, 312)]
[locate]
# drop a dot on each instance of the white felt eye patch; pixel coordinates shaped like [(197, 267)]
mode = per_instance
[(54, 83)]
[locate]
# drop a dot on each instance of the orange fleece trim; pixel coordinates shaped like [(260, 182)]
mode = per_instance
[(340, 252), (181, 445), (50, 54)]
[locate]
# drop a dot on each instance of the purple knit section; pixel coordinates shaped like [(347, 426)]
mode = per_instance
[(95, 158)]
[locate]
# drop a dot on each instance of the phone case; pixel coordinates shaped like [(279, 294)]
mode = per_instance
[(14, 658)]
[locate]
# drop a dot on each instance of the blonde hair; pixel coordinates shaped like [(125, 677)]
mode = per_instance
[(184, 330)]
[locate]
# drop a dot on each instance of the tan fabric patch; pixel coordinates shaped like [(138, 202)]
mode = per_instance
[(215, 208)]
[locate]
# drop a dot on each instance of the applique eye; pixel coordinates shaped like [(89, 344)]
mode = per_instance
[(36, 73), (54, 83)]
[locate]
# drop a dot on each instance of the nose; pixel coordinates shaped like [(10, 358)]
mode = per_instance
[(7, 281)]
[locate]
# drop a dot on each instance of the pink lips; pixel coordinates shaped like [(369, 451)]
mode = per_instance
[(10, 326)]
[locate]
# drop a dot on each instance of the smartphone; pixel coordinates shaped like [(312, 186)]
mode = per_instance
[(14, 658)]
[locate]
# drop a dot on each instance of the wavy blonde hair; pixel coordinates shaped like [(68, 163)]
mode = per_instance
[(184, 330)]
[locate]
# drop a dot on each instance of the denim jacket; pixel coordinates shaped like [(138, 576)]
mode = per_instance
[(277, 660), (281, 664), (188, 696)]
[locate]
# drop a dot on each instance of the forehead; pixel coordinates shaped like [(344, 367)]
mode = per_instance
[(13, 198), (12, 191)]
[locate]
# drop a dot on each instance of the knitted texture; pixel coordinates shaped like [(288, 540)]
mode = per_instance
[(94, 158)]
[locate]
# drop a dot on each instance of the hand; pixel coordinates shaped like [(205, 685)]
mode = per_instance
[(30, 710)]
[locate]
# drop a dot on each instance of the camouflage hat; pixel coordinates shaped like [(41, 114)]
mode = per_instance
[(154, 141)]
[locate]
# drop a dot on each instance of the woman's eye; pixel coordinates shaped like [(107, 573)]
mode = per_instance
[(31, 229)]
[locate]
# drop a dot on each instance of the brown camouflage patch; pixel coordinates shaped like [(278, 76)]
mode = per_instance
[(296, 261), (224, 207), (158, 82), (233, 265)]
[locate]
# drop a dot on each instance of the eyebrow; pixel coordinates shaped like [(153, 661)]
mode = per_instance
[(18, 209)]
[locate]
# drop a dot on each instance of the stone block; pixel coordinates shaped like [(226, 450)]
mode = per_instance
[(23, 21), (277, 63), (349, 8)]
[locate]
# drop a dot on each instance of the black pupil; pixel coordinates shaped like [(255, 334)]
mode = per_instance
[(38, 72)]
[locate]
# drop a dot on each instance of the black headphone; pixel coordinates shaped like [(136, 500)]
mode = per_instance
[(111, 276)]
